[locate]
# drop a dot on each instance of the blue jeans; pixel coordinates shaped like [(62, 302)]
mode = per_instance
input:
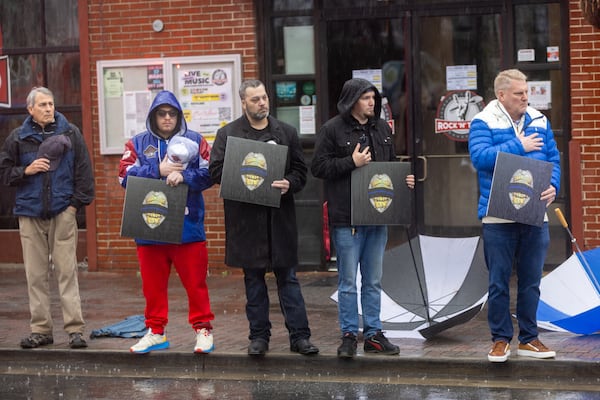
[(525, 246), (359, 246), (291, 303)]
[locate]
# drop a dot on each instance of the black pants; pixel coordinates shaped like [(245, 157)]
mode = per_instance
[(291, 303)]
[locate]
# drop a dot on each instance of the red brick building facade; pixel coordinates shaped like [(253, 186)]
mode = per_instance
[(119, 29), (123, 30), (585, 127), (484, 33)]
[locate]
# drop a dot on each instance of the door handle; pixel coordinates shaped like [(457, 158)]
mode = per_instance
[(424, 159)]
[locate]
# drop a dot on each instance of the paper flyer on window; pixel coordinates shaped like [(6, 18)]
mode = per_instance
[(205, 96)]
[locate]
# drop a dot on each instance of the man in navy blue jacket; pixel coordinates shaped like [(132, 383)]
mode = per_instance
[(47, 161)]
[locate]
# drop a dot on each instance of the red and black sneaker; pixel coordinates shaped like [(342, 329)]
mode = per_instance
[(380, 344)]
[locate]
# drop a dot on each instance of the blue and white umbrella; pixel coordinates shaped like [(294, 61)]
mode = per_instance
[(570, 295)]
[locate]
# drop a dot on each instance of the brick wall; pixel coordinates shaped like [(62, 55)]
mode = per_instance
[(585, 120), (123, 30)]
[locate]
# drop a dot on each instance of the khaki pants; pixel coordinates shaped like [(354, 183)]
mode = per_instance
[(40, 239)]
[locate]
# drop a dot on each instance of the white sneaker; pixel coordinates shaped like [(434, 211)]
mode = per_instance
[(150, 341), (204, 341)]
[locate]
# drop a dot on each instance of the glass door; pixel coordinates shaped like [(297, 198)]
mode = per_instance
[(458, 58), (377, 49), (435, 66)]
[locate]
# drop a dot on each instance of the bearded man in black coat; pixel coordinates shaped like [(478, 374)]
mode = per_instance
[(261, 238)]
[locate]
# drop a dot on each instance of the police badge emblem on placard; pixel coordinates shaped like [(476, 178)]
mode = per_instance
[(153, 210), (253, 170), (517, 185), (381, 192), (249, 168), (379, 195)]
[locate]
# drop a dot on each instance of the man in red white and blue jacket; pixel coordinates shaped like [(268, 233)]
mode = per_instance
[(146, 156)]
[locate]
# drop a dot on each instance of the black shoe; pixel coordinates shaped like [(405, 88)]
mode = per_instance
[(305, 347), (76, 341), (258, 347), (379, 344), (348, 347), (36, 340)]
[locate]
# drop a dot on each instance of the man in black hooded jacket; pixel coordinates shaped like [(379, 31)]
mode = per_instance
[(350, 140)]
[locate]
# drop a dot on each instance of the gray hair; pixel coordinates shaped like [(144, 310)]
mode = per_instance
[(504, 78), (34, 92), (253, 83)]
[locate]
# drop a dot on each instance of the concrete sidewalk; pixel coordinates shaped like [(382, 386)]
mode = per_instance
[(110, 297)]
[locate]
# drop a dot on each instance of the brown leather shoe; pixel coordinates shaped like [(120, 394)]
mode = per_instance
[(535, 349), (499, 352)]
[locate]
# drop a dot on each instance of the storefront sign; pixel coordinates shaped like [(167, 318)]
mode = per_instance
[(455, 112), (4, 82)]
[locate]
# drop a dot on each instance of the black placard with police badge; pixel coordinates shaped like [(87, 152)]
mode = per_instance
[(154, 210), (249, 168), (517, 185), (380, 195)]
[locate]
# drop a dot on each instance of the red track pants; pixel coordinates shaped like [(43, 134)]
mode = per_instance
[(191, 263)]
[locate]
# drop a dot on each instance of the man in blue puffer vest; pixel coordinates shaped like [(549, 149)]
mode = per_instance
[(509, 125), (151, 154)]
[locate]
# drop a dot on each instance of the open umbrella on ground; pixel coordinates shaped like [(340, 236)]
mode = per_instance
[(570, 295), (431, 284)]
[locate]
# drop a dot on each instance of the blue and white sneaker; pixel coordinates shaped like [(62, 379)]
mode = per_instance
[(204, 341), (150, 342)]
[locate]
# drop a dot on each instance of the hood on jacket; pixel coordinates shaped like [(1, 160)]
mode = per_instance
[(168, 98), (351, 92)]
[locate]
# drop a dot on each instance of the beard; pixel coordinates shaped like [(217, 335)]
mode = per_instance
[(259, 115)]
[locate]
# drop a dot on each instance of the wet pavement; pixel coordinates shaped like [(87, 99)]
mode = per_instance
[(44, 387), (451, 365)]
